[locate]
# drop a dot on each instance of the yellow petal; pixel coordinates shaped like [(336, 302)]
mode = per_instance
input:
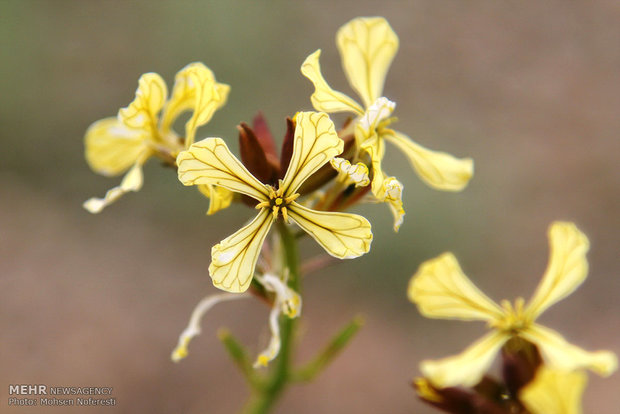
[(131, 182), (554, 391), (567, 268), (111, 148), (202, 94), (437, 169), (342, 235), (375, 148), (367, 46), (392, 193), (466, 368), (356, 174), (324, 98), (220, 197), (234, 258), (315, 143), (441, 290), (211, 162), (142, 112), (193, 328), (560, 354)]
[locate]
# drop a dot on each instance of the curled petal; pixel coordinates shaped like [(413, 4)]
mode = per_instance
[(324, 98), (234, 258), (315, 143), (374, 146), (211, 162), (142, 112), (112, 148), (367, 46), (392, 193), (466, 368), (554, 391), (286, 298), (220, 197), (380, 110), (560, 354), (342, 235), (356, 174), (441, 290), (273, 348), (131, 182), (437, 169), (567, 268), (193, 328)]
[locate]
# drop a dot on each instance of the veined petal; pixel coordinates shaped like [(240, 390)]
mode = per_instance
[(342, 235), (324, 98), (142, 112), (437, 169), (315, 143), (187, 93), (367, 46), (234, 258), (554, 391), (567, 268), (211, 162), (193, 328), (112, 148), (375, 148), (560, 354), (468, 367), (392, 193), (209, 96), (440, 289), (220, 197), (131, 182), (356, 174)]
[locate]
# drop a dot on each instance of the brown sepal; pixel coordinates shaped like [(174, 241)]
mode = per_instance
[(263, 134), (287, 146), (253, 156), (519, 366), (460, 401)]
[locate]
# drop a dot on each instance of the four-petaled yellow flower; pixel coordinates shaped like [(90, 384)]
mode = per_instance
[(367, 46), (441, 290), (554, 391), (114, 145), (315, 143)]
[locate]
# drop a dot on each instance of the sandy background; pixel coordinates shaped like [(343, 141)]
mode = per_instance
[(530, 90)]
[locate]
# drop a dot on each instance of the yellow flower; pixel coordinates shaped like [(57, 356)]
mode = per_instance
[(367, 46), (554, 392), (441, 290), (315, 143), (115, 145)]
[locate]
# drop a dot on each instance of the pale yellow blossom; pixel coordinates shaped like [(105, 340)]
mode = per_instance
[(440, 289), (554, 392)]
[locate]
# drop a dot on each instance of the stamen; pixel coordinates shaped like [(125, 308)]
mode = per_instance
[(284, 214), (262, 204)]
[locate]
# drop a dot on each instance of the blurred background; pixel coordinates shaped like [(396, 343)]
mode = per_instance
[(529, 90)]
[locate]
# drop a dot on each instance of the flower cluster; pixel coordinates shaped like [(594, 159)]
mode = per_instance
[(321, 172)]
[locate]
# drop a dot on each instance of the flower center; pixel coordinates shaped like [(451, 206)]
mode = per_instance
[(514, 319), (277, 202)]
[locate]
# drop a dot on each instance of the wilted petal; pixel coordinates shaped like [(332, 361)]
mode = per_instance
[(441, 290), (112, 148), (342, 235), (315, 143), (437, 169), (211, 162), (374, 146), (193, 328), (367, 46), (567, 268), (554, 391), (468, 367), (132, 181), (142, 112), (392, 193), (324, 98), (356, 174), (219, 197), (559, 354), (273, 348), (234, 258)]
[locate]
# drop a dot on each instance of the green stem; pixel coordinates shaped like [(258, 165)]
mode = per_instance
[(263, 398)]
